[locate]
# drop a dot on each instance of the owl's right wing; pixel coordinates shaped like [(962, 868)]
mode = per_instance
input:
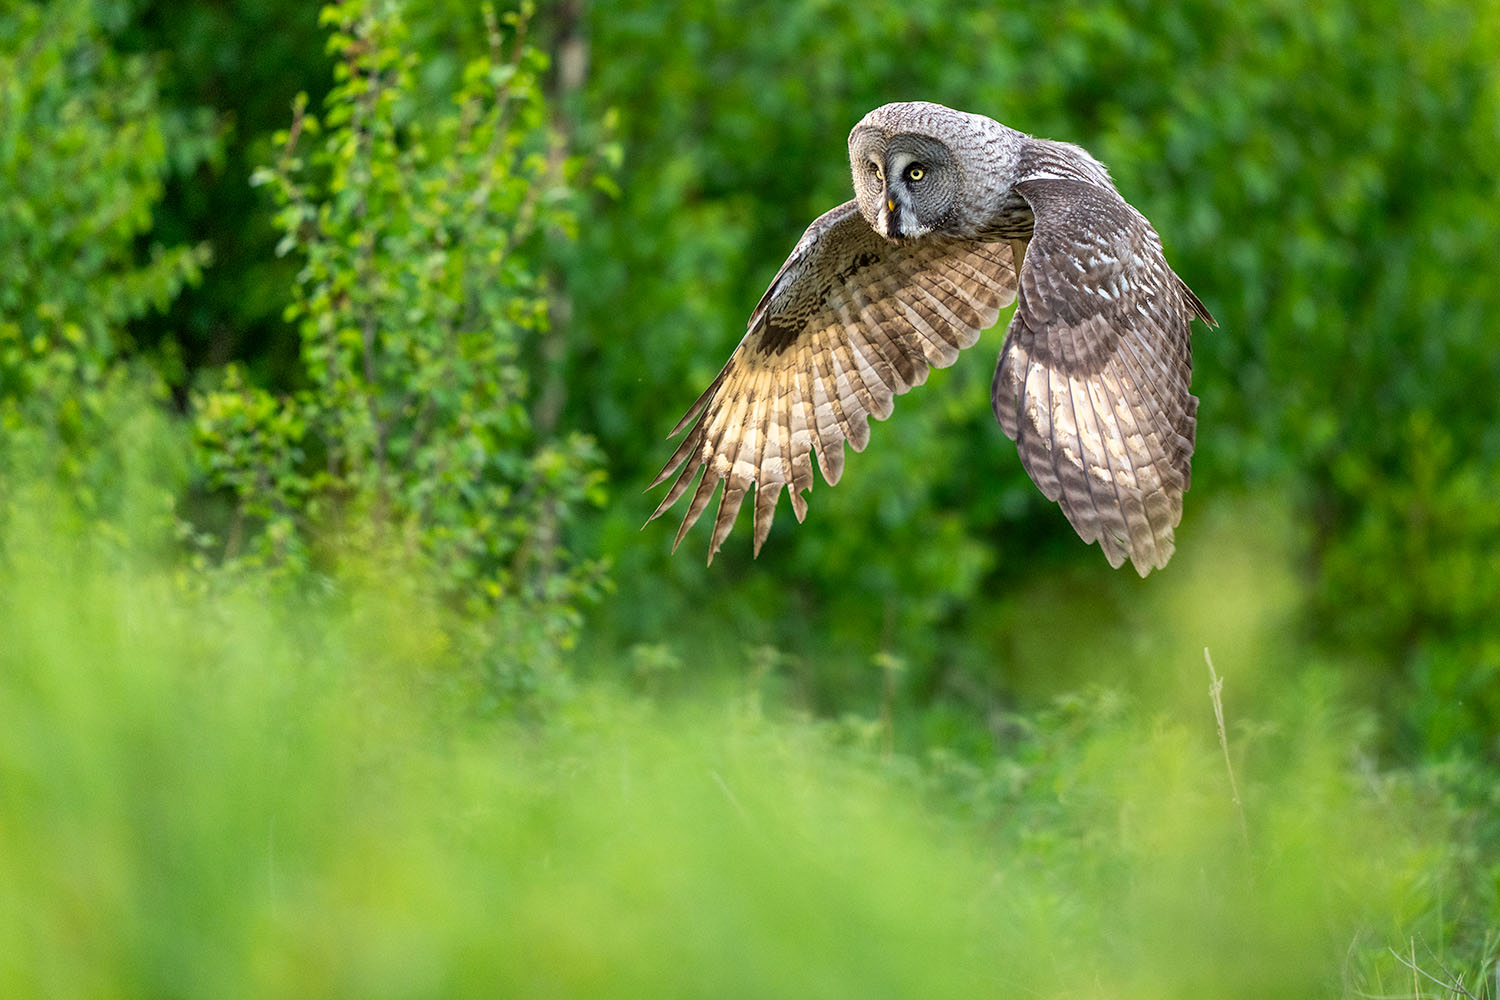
[(848, 323)]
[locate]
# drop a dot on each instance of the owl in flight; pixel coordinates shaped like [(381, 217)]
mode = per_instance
[(954, 217)]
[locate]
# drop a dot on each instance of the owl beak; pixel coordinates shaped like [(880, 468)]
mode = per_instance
[(892, 219)]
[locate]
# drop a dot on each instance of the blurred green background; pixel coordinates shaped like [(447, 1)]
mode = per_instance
[(337, 661)]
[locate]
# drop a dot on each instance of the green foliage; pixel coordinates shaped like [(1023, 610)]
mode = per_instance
[(417, 224), (1335, 212), (82, 155), (229, 795), (227, 70)]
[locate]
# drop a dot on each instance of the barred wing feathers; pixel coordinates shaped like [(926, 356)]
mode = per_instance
[(849, 323), (1092, 382)]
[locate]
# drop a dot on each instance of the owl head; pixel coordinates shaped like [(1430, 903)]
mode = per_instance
[(909, 160), (921, 168)]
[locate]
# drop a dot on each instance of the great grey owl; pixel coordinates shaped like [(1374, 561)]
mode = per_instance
[(954, 216)]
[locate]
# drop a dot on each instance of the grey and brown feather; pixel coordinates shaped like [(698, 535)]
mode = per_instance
[(954, 217)]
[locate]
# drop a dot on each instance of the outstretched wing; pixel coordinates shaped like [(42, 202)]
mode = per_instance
[(1092, 382), (850, 322)]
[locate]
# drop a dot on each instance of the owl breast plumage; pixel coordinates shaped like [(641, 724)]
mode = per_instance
[(955, 216)]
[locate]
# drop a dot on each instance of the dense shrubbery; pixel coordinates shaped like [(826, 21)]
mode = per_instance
[(415, 223), (1336, 213), (83, 154)]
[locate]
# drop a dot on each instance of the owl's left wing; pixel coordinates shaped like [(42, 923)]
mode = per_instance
[(848, 323), (1092, 382)]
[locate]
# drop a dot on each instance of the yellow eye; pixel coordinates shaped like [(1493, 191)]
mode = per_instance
[(915, 172)]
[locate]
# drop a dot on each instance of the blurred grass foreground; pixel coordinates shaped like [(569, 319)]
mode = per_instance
[(216, 792)]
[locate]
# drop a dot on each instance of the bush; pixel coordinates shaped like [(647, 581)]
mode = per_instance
[(417, 225), (83, 154)]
